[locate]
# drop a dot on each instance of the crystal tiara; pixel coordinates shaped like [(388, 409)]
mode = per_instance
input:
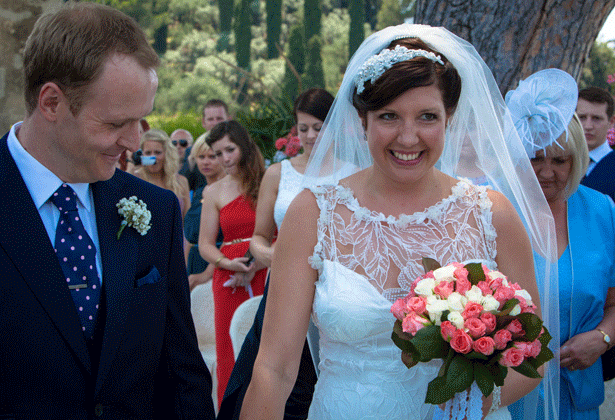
[(377, 64)]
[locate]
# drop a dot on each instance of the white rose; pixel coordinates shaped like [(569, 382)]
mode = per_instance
[(456, 302), (435, 305), (516, 310), (490, 303), (425, 287), (444, 273), (496, 275), (525, 295), (456, 319), (475, 295)]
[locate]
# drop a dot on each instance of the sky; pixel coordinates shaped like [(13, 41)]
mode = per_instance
[(607, 32)]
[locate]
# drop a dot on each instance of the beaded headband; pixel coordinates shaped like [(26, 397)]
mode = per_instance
[(377, 64)]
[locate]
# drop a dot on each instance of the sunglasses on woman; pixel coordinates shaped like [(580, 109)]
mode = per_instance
[(182, 142)]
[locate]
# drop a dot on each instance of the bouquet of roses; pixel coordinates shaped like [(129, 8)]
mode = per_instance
[(287, 146), (474, 319)]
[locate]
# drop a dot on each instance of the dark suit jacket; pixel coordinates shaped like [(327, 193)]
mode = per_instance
[(143, 362), (298, 402), (602, 177)]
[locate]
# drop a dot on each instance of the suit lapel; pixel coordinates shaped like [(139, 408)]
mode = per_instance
[(119, 263), (25, 240)]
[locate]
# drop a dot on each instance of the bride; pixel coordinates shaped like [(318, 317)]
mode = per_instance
[(412, 96)]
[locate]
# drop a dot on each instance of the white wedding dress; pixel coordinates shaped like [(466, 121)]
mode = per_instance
[(365, 262)]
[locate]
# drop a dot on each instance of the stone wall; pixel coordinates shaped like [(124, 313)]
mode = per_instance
[(17, 18)]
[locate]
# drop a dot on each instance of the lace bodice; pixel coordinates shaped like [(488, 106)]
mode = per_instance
[(290, 185), (364, 261), (389, 250)]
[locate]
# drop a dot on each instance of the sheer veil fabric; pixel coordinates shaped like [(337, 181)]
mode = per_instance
[(481, 142)]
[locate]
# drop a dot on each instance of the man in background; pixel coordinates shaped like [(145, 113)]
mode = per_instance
[(95, 311), (595, 109), (182, 140)]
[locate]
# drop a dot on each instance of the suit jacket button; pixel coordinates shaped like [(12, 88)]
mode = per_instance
[(98, 410)]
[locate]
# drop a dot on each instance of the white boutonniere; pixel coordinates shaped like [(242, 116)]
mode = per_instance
[(135, 214)]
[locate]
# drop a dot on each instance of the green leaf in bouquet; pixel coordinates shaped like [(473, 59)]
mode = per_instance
[(475, 273), (460, 373), (438, 392), (402, 339), (484, 378), (532, 325), (498, 372), (429, 264), (409, 359), (444, 316), (474, 355), (545, 338), (508, 306), (527, 369), (429, 343), (544, 356)]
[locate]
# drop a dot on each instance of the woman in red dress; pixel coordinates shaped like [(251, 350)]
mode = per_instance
[(230, 204)]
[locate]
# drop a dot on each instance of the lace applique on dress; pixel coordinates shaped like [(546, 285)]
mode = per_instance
[(388, 250)]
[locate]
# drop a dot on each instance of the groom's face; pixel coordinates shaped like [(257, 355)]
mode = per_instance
[(92, 141)]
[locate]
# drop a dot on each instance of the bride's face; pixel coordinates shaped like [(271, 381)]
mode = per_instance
[(406, 137)]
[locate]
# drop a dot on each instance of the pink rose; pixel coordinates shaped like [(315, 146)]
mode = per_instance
[(412, 323), (526, 348), (536, 348), (476, 328), (472, 310), (292, 150), (503, 294), (485, 270), (512, 357), (460, 273), (417, 304), (280, 143), (447, 329), (399, 309), (463, 285), (484, 288), (444, 289), (461, 342), (484, 345), (515, 327), (501, 338), (295, 141), (528, 309), (489, 320)]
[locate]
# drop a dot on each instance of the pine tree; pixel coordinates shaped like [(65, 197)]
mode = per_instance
[(356, 34), (225, 9), (296, 56), (274, 26), (243, 38), (311, 18), (314, 76)]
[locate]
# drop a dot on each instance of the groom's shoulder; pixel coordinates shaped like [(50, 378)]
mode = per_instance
[(136, 186)]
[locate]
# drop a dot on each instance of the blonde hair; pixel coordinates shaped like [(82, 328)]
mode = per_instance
[(576, 147), (197, 148), (171, 161)]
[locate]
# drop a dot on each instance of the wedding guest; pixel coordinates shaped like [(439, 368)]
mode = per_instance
[(585, 230), (163, 172), (182, 140), (95, 318), (411, 95), (229, 204), (205, 160), (281, 184)]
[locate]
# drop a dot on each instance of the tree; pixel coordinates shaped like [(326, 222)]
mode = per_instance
[(296, 62), (314, 75), (225, 8), (389, 14), (356, 33), (274, 26), (243, 38), (311, 18), (519, 37), (600, 65)]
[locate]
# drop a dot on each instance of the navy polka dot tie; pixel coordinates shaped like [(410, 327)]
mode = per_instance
[(77, 255)]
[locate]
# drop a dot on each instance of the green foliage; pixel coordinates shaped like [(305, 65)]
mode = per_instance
[(296, 57), (189, 120), (314, 76), (389, 14), (334, 36), (225, 9), (356, 32), (311, 18), (600, 65), (274, 27), (267, 121), (243, 34)]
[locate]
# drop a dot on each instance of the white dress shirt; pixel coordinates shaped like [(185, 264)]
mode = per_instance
[(596, 155), (42, 183)]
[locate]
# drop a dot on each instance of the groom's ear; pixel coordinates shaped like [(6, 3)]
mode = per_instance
[(50, 97)]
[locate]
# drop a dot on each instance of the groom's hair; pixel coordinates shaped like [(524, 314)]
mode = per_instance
[(70, 45)]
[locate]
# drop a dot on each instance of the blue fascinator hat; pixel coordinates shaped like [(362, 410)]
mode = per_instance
[(542, 106)]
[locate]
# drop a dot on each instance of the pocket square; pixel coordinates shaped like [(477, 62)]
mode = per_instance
[(150, 278)]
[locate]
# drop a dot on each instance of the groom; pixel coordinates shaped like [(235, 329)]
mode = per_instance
[(94, 324)]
